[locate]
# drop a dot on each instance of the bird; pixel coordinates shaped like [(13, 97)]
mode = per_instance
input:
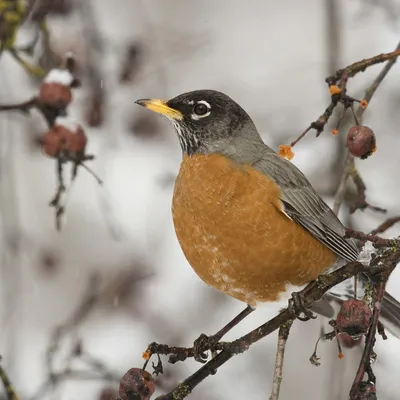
[(248, 221)]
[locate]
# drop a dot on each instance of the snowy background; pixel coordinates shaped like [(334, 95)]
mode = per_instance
[(272, 57)]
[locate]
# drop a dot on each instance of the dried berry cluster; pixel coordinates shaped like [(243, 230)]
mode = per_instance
[(65, 138)]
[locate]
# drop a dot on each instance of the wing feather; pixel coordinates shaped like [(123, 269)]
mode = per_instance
[(303, 205)]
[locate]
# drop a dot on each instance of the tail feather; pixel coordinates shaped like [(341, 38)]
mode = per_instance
[(390, 314)]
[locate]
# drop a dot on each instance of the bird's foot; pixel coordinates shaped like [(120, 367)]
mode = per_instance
[(202, 345), (296, 307)]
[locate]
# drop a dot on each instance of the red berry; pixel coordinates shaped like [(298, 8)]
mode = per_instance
[(77, 141), (55, 94), (361, 141), (61, 138), (55, 140), (51, 144), (136, 384), (108, 393)]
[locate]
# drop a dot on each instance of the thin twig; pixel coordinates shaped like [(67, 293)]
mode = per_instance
[(49, 113), (376, 240), (320, 123), (361, 201), (95, 368), (361, 66), (86, 305), (365, 363), (201, 345), (280, 355), (341, 190), (23, 107), (8, 387), (340, 78), (369, 92), (70, 374), (95, 106), (384, 226)]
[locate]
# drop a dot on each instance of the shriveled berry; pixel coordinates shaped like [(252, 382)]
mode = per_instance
[(136, 384), (354, 318), (361, 141)]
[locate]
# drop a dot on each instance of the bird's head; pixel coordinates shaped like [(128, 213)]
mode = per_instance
[(206, 121)]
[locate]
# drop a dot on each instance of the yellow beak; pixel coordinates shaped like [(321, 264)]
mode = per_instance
[(160, 107)]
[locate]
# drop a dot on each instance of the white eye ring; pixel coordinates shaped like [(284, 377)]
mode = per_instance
[(198, 115)]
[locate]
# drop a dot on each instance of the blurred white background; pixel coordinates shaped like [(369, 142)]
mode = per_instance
[(272, 58)]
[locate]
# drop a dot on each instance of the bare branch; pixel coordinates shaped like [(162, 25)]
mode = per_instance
[(376, 240), (280, 355), (384, 226), (369, 92), (359, 385), (361, 201)]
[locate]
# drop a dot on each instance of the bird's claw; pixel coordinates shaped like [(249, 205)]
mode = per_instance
[(202, 345), (296, 307)]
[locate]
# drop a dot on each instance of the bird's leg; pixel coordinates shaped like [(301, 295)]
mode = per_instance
[(204, 342), (296, 307)]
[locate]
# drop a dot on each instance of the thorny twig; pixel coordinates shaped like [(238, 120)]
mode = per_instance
[(280, 355)]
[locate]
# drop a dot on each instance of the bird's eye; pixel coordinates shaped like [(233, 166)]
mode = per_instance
[(201, 109)]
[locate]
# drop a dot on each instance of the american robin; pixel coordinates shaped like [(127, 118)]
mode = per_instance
[(249, 222)]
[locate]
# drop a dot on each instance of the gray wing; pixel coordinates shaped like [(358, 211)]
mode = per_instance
[(303, 205)]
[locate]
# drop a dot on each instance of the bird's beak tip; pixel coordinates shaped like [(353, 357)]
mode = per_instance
[(160, 107), (142, 102)]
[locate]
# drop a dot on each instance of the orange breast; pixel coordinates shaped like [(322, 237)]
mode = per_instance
[(230, 226)]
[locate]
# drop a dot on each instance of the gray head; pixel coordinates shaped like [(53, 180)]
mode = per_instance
[(207, 121)]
